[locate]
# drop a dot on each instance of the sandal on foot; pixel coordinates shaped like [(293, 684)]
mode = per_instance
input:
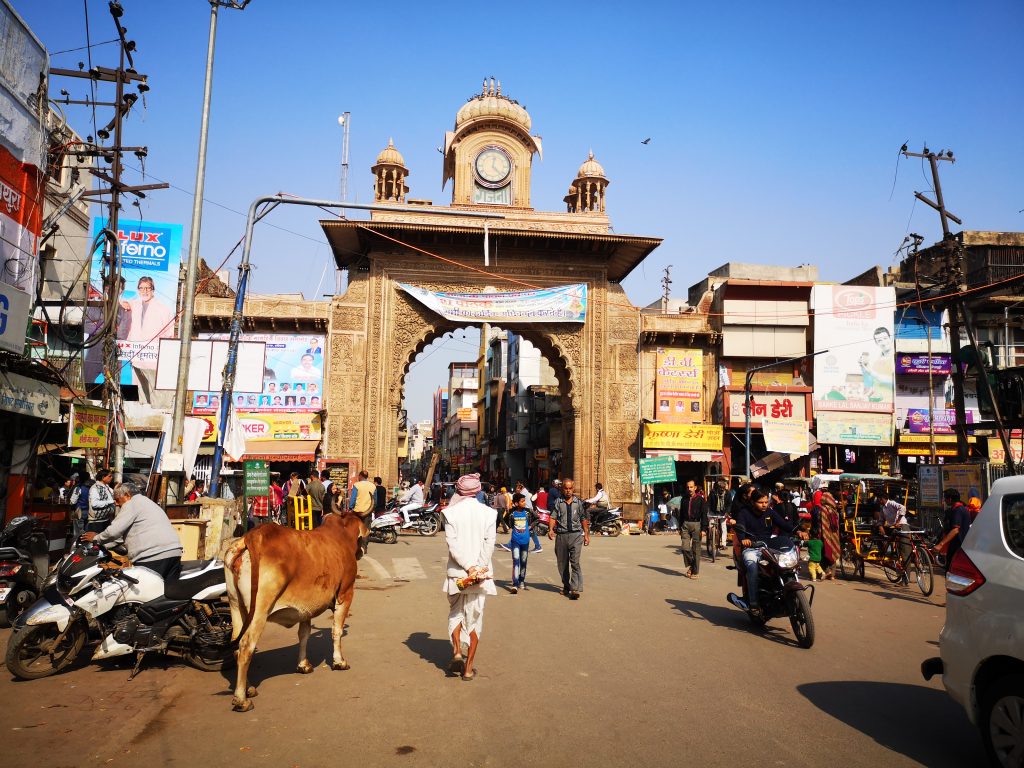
[(469, 676), (457, 666)]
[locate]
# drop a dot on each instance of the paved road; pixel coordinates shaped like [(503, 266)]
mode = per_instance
[(647, 669)]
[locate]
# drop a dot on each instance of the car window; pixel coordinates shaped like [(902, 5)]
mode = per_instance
[(1013, 523)]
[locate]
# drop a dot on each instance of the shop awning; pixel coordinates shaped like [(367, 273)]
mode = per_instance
[(697, 456), (281, 450)]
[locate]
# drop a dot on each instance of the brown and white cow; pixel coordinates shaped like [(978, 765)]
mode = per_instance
[(289, 577)]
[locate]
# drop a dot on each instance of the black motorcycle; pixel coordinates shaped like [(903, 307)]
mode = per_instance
[(606, 522), (779, 591), (24, 562)]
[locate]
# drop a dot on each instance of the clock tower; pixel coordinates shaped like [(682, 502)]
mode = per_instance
[(490, 152)]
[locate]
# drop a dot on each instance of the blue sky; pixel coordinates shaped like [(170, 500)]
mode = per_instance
[(774, 127)]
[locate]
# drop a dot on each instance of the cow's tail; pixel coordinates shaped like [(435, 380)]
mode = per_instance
[(234, 562)]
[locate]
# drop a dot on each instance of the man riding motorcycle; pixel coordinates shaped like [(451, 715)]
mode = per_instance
[(754, 522), (148, 535)]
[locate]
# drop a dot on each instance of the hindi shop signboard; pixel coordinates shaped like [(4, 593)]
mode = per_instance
[(943, 421), (257, 478), (941, 365), (87, 426), (658, 469), (562, 304), (865, 429), (775, 405), (679, 385), (683, 437), (29, 397), (855, 324)]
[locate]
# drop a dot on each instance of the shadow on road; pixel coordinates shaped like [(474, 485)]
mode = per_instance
[(891, 594), (435, 651), (731, 618), (659, 569), (283, 661), (929, 729)]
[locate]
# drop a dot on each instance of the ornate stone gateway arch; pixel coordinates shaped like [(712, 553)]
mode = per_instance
[(377, 329)]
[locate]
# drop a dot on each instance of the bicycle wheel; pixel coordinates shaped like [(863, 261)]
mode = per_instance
[(923, 565), (711, 542)]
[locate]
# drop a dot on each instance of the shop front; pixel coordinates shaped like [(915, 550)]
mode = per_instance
[(786, 410), (695, 450)]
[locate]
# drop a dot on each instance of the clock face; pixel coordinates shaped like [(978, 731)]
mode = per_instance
[(493, 165)]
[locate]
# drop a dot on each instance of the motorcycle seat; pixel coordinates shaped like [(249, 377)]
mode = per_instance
[(189, 567), (187, 586)]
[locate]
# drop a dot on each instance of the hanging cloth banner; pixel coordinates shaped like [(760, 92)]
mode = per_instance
[(564, 304)]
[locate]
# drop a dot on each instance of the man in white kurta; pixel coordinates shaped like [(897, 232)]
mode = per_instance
[(469, 531)]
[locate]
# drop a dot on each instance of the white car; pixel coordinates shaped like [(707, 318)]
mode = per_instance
[(982, 642)]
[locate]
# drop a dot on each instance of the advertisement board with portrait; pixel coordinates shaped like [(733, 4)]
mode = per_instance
[(679, 385), (150, 257), (855, 325), (293, 376)]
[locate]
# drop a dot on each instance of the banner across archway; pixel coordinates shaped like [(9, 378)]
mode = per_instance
[(561, 304)]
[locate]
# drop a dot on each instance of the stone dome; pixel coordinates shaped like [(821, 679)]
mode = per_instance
[(491, 103), (390, 156), (591, 169)]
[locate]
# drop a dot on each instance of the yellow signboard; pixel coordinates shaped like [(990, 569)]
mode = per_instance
[(997, 455), (692, 437), (270, 426), (87, 426), (680, 385)]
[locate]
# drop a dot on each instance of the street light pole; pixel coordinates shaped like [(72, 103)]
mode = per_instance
[(192, 267), (747, 404)]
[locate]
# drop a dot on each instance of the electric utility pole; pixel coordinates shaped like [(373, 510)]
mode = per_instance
[(955, 282), (111, 264)]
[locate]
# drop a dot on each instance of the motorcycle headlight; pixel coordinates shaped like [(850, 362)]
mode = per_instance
[(789, 559)]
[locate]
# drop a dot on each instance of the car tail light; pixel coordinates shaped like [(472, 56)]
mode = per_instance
[(963, 576)]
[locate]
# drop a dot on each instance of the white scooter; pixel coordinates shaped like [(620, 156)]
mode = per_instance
[(129, 610)]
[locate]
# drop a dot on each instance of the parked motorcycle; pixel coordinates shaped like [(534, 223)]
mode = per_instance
[(779, 591), (425, 520), (542, 524), (24, 561), (88, 598), (606, 521), (384, 527)]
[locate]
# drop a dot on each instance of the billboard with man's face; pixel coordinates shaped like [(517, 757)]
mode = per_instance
[(293, 377), (150, 257), (855, 325)]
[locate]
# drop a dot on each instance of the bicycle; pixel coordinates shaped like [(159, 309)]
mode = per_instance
[(897, 563), (713, 535)]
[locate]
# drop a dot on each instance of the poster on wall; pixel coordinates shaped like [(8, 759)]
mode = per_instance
[(293, 377), (150, 256), (786, 436), (855, 325), (866, 429), (679, 385)]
